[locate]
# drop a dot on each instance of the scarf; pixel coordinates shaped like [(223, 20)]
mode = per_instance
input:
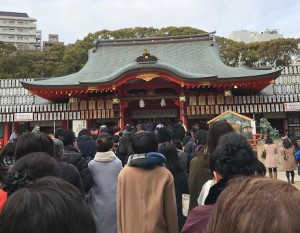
[(105, 156), (215, 191), (147, 160)]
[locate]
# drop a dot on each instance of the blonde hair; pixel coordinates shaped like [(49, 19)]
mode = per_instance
[(256, 205)]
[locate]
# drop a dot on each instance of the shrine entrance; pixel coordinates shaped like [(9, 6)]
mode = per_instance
[(152, 111)]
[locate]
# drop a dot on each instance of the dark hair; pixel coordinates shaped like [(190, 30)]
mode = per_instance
[(287, 143), (58, 148), (164, 135), (233, 156), (68, 138), (34, 142), (216, 130), (144, 142), (172, 162), (295, 143), (194, 129), (9, 149), (84, 132), (269, 140), (185, 140), (260, 168), (200, 137), (54, 206), (104, 142), (29, 168), (59, 133), (178, 144)]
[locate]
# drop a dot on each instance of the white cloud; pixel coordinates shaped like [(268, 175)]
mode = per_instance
[(74, 19)]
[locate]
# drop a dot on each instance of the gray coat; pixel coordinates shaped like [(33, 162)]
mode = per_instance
[(103, 194)]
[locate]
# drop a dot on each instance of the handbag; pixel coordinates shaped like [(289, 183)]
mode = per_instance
[(264, 154), (185, 204)]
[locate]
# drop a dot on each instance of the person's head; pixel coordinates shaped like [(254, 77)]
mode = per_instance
[(295, 143), (54, 206), (144, 142), (58, 148), (164, 135), (104, 142), (85, 132), (216, 130), (256, 205), (29, 168), (200, 137), (287, 143), (172, 162), (269, 140), (69, 138), (33, 142), (59, 133), (185, 140), (194, 129), (232, 157), (9, 149)]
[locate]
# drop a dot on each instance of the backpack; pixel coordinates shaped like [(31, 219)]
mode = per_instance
[(297, 155)]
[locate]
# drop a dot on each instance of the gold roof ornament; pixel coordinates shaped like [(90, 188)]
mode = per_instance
[(147, 76)]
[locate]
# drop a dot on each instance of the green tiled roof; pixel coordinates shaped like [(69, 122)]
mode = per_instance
[(188, 58)]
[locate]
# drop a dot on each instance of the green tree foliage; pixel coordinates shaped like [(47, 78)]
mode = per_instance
[(62, 60)]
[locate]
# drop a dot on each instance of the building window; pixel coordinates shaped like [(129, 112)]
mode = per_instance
[(11, 22), (20, 22), (20, 38), (11, 37), (4, 29)]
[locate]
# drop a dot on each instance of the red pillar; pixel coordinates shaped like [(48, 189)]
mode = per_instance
[(15, 127), (123, 105), (6, 132), (181, 116)]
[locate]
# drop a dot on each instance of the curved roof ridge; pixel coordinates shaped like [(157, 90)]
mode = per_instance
[(203, 36), (161, 65)]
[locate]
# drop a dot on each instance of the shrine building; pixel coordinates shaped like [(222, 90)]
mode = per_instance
[(151, 79)]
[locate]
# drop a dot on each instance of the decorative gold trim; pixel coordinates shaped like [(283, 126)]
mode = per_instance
[(147, 76), (93, 88)]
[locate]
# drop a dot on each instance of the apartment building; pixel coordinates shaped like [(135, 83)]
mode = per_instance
[(53, 40), (249, 37), (20, 30)]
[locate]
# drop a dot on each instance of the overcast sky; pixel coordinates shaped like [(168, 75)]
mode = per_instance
[(74, 19)]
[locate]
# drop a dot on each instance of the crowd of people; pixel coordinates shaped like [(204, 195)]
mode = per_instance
[(133, 181)]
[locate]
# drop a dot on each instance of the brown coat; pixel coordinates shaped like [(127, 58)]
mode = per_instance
[(146, 201), (290, 163)]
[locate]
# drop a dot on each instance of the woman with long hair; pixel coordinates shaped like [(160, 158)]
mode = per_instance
[(271, 161), (290, 164), (199, 171), (173, 164)]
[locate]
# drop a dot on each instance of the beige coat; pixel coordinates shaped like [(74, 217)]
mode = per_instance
[(290, 163), (146, 201), (271, 158)]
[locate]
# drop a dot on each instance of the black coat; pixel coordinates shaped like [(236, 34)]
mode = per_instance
[(181, 187), (71, 155), (70, 173)]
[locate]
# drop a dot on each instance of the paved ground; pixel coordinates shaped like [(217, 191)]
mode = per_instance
[(281, 176)]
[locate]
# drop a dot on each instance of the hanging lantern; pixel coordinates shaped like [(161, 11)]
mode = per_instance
[(116, 100), (163, 103), (182, 98), (141, 103), (73, 100)]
